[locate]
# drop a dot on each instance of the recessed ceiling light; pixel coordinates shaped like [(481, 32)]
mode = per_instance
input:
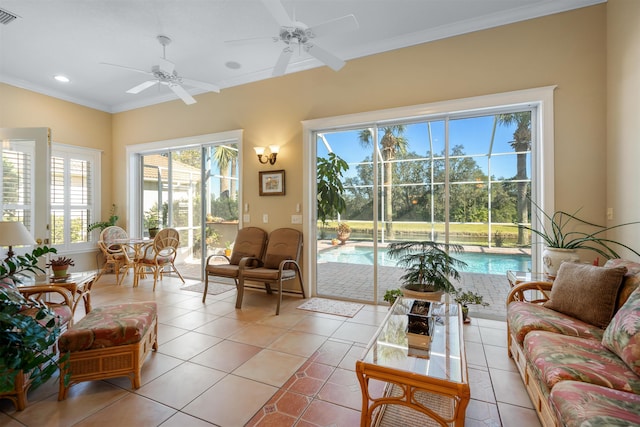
[(233, 65), (62, 78)]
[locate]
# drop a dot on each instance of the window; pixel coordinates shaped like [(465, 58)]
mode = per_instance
[(75, 173)]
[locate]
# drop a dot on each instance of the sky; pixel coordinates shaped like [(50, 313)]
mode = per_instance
[(474, 134)]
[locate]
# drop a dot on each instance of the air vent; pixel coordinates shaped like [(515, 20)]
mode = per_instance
[(6, 16)]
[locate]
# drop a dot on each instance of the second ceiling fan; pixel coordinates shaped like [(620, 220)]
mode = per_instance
[(297, 34)]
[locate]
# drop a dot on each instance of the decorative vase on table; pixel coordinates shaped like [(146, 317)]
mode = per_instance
[(553, 257)]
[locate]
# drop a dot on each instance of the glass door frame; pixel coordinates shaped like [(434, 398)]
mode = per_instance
[(542, 190), (133, 167)]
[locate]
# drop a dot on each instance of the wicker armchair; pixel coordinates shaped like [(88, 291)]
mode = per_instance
[(117, 255), (158, 256)]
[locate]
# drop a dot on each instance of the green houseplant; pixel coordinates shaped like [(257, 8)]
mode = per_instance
[(391, 295), (60, 266), (29, 328), (330, 190), (465, 298), (101, 225), (562, 240), (429, 267)]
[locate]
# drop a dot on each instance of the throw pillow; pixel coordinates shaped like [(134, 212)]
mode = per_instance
[(586, 292), (622, 336)]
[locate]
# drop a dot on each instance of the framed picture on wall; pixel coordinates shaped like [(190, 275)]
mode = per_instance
[(271, 183)]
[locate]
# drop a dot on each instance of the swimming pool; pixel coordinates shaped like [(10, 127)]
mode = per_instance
[(476, 262)]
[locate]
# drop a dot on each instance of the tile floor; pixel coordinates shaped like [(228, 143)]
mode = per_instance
[(225, 367)]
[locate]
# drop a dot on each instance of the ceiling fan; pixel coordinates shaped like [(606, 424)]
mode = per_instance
[(293, 33), (165, 74)]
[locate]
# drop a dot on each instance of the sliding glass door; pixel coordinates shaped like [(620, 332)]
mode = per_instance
[(194, 190), (454, 178)]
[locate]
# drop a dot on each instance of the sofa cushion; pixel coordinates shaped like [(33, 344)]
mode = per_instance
[(622, 336), (525, 317), (579, 404), (586, 292), (109, 326), (559, 358), (631, 280)]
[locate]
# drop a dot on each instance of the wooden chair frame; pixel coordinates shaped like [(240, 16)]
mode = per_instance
[(158, 255)]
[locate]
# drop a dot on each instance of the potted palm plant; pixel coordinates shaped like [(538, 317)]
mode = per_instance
[(429, 268), (562, 240)]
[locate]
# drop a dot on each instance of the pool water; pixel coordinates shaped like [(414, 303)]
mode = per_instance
[(476, 262)]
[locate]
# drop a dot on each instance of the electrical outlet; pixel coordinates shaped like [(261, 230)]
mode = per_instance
[(609, 213), (246, 218), (296, 219), (265, 218)]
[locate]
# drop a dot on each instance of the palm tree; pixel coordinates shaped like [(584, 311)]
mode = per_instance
[(521, 144), (392, 143), (226, 157)]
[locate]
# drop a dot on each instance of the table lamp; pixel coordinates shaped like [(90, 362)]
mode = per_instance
[(13, 233)]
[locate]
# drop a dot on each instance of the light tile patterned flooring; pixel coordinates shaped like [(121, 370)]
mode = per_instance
[(220, 366)]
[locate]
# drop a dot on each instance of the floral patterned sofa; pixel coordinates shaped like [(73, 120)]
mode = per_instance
[(577, 344)]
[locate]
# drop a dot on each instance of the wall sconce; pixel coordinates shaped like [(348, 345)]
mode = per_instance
[(271, 158)]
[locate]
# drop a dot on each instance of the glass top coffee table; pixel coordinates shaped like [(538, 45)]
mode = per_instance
[(426, 384)]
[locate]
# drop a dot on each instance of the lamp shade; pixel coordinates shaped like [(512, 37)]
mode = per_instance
[(13, 233)]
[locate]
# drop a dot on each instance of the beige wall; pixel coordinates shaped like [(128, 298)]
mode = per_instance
[(70, 124), (566, 49), (623, 126)]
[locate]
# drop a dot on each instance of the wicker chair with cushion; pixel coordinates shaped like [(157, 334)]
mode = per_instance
[(158, 256), (279, 264), (250, 242), (117, 255)]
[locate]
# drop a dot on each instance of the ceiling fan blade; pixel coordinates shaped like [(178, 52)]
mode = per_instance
[(278, 11), (283, 61), (166, 66), (201, 85), (329, 59), (183, 94), (142, 86), (127, 68), (250, 40), (335, 26)]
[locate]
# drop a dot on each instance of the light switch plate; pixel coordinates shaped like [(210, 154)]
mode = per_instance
[(265, 218)]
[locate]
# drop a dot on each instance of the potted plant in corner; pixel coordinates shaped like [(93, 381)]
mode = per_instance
[(151, 222), (101, 225), (464, 298), (429, 268), (562, 242)]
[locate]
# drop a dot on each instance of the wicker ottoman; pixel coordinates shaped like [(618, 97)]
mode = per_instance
[(110, 341)]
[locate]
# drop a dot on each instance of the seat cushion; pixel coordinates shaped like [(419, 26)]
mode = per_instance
[(61, 311), (579, 404), (559, 358), (109, 326), (622, 336), (525, 317), (224, 270), (586, 292), (268, 274)]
